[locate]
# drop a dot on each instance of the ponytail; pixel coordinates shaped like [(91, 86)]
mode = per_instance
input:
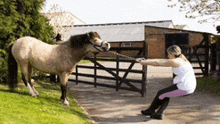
[(183, 57)]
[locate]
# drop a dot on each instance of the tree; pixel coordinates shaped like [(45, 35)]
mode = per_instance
[(20, 18), (208, 10), (60, 20)]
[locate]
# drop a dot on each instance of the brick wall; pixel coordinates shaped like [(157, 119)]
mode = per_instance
[(157, 43)]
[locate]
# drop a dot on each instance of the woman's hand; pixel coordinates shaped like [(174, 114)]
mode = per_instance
[(140, 59)]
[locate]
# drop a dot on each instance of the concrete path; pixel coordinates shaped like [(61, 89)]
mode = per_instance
[(106, 106)]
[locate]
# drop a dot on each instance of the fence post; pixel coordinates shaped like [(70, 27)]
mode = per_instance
[(53, 78), (206, 38), (95, 71), (213, 57), (117, 70), (218, 55), (144, 68), (76, 75)]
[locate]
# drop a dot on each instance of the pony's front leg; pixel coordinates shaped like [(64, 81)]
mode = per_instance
[(64, 83)]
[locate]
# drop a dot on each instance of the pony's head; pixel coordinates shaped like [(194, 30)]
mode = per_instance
[(96, 43), (92, 41)]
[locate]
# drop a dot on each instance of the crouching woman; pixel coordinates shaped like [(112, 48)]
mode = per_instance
[(184, 82)]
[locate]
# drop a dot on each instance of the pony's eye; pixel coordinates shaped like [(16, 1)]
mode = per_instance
[(95, 40)]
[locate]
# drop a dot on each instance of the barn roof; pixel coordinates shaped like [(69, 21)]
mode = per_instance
[(119, 32)]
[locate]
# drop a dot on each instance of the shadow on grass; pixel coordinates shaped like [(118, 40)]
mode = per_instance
[(15, 91), (48, 85)]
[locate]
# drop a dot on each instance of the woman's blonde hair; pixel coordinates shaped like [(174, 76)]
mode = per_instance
[(174, 49)]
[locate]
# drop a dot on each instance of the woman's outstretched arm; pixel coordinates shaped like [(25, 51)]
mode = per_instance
[(162, 62)]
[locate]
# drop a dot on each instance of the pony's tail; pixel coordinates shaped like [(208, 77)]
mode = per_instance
[(12, 70)]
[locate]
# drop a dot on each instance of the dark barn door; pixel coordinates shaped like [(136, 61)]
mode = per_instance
[(176, 39)]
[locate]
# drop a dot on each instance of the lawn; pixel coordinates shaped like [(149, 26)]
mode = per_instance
[(209, 84), (84, 62), (20, 108)]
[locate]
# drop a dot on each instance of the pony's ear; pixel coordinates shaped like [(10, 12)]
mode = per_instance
[(87, 35), (91, 35)]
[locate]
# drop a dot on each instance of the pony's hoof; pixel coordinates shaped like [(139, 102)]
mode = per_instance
[(66, 102), (35, 95), (35, 91)]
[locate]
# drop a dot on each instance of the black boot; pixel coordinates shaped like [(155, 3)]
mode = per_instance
[(153, 107), (159, 114), (148, 112)]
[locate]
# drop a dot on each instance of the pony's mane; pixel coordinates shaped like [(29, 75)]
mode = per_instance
[(78, 41)]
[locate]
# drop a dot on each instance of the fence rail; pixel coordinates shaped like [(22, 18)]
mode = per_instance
[(118, 81)]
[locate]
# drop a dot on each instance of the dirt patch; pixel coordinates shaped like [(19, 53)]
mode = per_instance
[(106, 106)]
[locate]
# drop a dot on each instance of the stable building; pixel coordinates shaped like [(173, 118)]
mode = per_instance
[(157, 34)]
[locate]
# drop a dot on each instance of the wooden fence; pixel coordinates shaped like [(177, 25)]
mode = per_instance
[(114, 76), (199, 56)]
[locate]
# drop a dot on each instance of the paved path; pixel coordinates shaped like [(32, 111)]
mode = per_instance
[(106, 106)]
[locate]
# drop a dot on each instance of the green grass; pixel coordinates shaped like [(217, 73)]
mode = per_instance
[(20, 108), (209, 84), (84, 62)]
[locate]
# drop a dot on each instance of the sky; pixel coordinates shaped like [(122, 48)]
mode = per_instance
[(117, 11)]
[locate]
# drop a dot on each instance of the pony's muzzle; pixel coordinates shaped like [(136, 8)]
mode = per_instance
[(106, 46)]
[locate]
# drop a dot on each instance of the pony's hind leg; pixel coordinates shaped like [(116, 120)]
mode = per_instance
[(27, 80)]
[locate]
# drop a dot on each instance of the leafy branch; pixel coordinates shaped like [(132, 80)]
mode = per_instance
[(206, 10)]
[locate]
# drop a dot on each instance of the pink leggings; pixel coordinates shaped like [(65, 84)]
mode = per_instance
[(162, 98), (174, 93)]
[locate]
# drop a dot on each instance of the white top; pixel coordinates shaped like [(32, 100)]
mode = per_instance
[(185, 77)]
